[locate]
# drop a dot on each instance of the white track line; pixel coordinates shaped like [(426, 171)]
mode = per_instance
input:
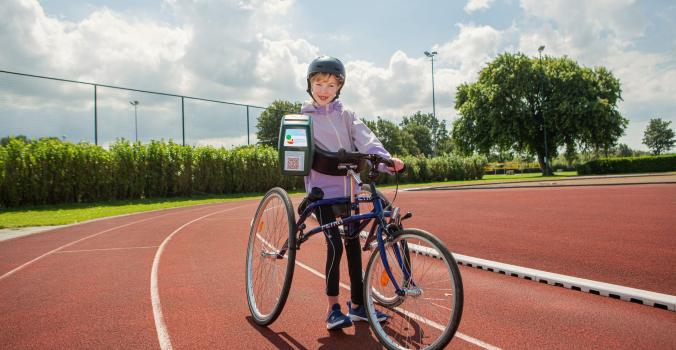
[(160, 325), (98, 233), (460, 335), (75, 242), (104, 249)]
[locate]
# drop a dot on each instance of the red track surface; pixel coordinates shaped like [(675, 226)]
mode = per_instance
[(623, 235), (96, 293)]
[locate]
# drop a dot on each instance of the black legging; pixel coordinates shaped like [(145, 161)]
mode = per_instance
[(334, 252)]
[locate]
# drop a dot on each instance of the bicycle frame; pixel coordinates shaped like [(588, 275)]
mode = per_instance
[(355, 223)]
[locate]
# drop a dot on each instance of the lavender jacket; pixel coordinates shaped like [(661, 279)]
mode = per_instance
[(334, 128)]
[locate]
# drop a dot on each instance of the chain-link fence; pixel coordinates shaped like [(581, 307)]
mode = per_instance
[(40, 106)]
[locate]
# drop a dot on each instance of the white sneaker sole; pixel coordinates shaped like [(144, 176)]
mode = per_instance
[(358, 318), (337, 325)]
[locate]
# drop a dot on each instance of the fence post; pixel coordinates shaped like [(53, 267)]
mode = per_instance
[(248, 142), (96, 128), (183, 119)]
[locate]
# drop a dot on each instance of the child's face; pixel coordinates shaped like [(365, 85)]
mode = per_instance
[(324, 89)]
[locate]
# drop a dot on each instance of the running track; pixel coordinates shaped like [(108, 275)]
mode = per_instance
[(176, 277)]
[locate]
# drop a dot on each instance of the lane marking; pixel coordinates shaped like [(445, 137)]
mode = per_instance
[(158, 316), (75, 242), (108, 230), (460, 335), (103, 249)]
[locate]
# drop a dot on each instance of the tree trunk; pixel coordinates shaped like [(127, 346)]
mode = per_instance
[(544, 168)]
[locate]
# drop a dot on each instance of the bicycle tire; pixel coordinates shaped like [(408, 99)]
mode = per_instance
[(428, 316), (273, 225)]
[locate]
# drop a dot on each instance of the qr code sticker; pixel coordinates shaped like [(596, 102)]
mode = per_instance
[(293, 163)]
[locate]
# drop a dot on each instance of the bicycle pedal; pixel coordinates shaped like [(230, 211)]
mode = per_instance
[(406, 216)]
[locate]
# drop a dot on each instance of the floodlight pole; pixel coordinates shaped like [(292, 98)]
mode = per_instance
[(135, 104), (431, 55), (542, 113)]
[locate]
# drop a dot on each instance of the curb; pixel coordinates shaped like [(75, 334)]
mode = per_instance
[(538, 185), (546, 183), (639, 296)]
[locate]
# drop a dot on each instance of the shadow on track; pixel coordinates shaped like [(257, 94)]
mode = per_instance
[(362, 339), (281, 340)]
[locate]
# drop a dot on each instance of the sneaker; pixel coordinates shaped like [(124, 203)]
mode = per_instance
[(359, 314), (337, 319)]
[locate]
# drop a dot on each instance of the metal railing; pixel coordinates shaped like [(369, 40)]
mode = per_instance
[(183, 98)]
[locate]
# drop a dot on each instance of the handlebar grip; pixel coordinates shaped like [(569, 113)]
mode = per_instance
[(345, 157)]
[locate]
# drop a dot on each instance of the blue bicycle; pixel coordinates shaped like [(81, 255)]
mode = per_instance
[(411, 276)]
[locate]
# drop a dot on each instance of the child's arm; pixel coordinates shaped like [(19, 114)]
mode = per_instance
[(367, 142)]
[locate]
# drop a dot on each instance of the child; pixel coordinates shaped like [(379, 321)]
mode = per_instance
[(335, 127)]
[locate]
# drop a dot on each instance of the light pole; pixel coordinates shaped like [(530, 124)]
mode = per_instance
[(135, 104), (542, 113), (434, 107)]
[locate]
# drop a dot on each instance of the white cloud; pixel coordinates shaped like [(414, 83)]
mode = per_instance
[(249, 51), (604, 33), (226, 142), (373, 91), (476, 5)]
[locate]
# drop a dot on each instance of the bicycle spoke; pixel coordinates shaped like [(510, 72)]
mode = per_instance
[(267, 275), (427, 316)]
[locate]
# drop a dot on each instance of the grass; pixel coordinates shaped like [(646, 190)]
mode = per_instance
[(495, 178), (61, 214)]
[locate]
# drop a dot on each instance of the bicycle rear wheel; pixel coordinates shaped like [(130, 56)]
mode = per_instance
[(428, 314), (270, 256)]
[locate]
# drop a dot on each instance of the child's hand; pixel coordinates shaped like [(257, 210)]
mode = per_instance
[(398, 165)]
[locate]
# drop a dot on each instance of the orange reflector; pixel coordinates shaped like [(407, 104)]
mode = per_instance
[(384, 279), (260, 226)]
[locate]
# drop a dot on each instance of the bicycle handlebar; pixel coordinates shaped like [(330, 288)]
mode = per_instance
[(349, 157)]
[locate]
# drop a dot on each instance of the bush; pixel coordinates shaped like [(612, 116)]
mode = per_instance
[(442, 168), (629, 165), (50, 171)]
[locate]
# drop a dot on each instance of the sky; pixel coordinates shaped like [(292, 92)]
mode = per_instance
[(256, 51)]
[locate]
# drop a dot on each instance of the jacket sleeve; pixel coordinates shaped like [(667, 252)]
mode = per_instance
[(366, 141)]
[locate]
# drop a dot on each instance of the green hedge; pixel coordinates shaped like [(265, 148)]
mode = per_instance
[(629, 165), (49, 171), (442, 168)]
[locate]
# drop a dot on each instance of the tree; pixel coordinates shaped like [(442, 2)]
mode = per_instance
[(429, 132), (270, 120), (5, 140), (623, 150), (389, 135), (517, 99), (658, 136)]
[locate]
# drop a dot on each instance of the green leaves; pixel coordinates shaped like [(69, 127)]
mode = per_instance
[(441, 168), (517, 99), (48, 171), (270, 120), (629, 165), (658, 136)]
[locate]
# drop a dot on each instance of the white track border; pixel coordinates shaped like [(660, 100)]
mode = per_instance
[(640, 296)]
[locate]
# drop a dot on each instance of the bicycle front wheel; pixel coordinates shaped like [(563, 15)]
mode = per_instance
[(270, 256), (428, 313)]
